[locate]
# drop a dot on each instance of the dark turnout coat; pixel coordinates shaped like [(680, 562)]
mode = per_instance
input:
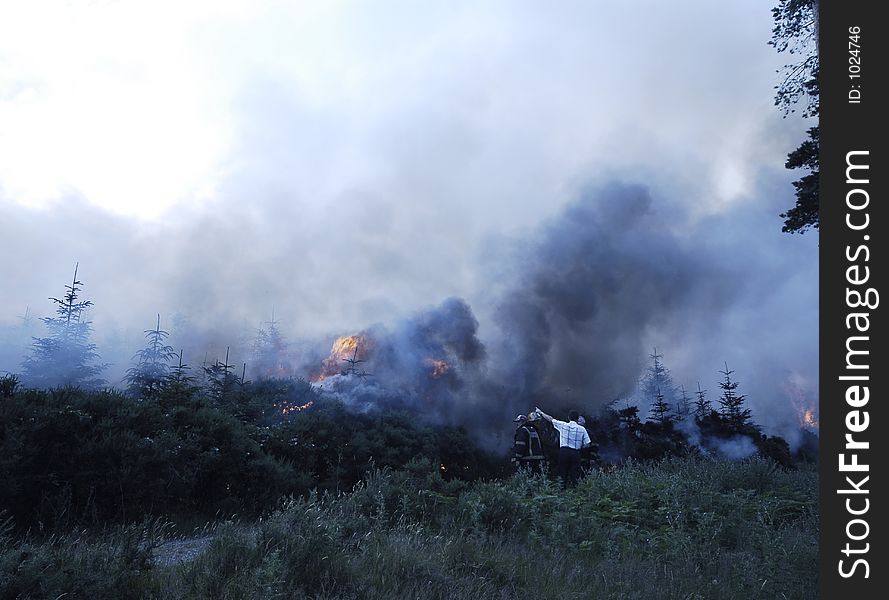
[(527, 448)]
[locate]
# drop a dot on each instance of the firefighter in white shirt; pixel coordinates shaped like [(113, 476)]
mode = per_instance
[(572, 437)]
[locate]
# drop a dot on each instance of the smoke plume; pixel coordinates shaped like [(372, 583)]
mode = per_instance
[(562, 315)]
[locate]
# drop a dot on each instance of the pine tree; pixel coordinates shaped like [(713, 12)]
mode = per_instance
[(9, 383), (796, 32), (658, 381), (27, 319), (178, 384), (660, 410), (732, 410), (220, 378), (629, 418), (703, 406), (27, 326), (352, 369), (66, 356), (152, 367), (270, 351), (682, 407)]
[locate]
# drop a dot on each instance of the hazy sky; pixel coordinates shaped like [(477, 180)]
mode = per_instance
[(350, 162)]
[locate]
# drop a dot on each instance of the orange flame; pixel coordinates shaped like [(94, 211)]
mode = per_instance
[(343, 349), (344, 346), (795, 386), (287, 409), (439, 367), (809, 420)]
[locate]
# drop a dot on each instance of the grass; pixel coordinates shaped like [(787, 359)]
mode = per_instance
[(688, 528)]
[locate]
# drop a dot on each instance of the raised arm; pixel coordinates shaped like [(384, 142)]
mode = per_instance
[(543, 414)]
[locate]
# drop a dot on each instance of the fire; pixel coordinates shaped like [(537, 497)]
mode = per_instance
[(809, 420), (287, 408), (439, 367), (795, 386), (344, 346), (345, 349)]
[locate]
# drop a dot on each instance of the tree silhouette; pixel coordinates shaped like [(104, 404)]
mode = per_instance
[(270, 351), (177, 382), (703, 406), (732, 404), (660, 410), (805, 213), (796, 32), (220, 378), (658, 382), (352, 369), (66, 356), (152, 367), (628, 417), (27, 319), (682, 408)]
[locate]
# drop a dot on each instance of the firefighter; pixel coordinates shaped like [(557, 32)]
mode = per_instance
[(527, 452)]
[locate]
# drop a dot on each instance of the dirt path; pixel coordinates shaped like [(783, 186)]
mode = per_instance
[(176, 552)]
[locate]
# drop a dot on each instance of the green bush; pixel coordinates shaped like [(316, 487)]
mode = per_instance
[(682, 528), (70, 457), (378, 507), (109, 566)]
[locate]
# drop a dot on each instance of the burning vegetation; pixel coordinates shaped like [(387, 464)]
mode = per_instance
[(286, 408), (434, 365), (566, 329), (808, 419), (806, 408), (438, 368), (345, 350)]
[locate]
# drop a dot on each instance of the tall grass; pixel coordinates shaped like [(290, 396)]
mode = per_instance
[(688, 528)]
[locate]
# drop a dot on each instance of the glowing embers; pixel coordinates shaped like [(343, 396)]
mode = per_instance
[(799, 391), (437, 368), (285, 408), (809, 419)]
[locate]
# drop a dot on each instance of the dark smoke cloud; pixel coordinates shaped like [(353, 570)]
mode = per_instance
[(430, 364), (340, 215), (622, 270), (590, 290), (572, 316), (564, 315)]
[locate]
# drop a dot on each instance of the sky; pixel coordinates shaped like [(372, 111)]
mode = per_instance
[(351, 163)]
